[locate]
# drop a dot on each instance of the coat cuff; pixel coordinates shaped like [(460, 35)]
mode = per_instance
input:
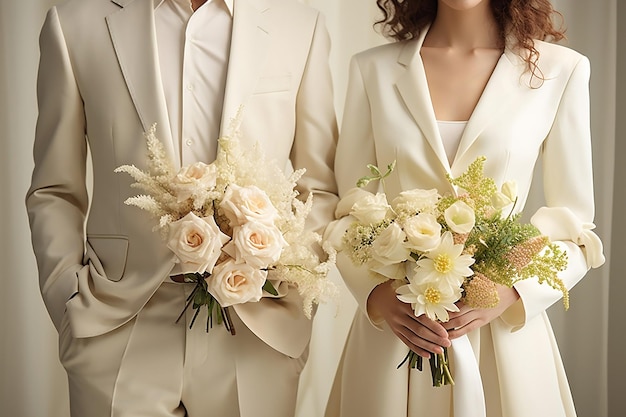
[(535, 298), (560, 223)]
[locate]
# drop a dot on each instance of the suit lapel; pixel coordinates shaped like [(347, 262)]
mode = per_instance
[(133, 35), (413, 88), (498, 93), (248, 52)]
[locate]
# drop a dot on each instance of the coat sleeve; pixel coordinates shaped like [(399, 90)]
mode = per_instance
[(57, 201), (355, 150), (314, 150), (567, 218), (316, 130)]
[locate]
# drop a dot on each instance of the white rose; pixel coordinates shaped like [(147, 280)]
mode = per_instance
[(415, 201), (233, 283), (389, 247), (196, 242), (193, 178), (344, 206), (423, 232), (256, 244), (244, 204), (460, 217), (371, 209)]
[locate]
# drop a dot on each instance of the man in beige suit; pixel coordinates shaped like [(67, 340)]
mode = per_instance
[(110, 69)]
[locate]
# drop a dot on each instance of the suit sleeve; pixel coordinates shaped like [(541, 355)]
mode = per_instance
[(355, 150), (57, 200), (568, 215), (316, 130)]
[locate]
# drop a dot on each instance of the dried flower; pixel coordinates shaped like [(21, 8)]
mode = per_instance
[(480, 292)]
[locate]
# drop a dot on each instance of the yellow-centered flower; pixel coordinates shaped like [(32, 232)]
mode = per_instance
[(445, 263)]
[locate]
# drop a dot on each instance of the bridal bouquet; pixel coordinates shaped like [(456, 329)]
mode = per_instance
[(235, 227), (441, 249)]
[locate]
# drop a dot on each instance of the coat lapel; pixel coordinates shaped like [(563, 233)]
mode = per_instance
[(498, 93), (133, 34), (413, 88), (248, 52)]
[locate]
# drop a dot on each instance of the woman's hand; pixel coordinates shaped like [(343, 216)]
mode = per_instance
[(468, 319), (421, 334)]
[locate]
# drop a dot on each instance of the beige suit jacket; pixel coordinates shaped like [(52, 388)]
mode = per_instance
[(99, 89)]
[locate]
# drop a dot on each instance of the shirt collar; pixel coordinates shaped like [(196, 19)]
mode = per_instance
[(228, 3)]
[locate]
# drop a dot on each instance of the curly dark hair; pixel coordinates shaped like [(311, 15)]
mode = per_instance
[(522, 20)]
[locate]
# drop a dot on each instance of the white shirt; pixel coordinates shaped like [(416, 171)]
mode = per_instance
[(193, 52), (451, 133)]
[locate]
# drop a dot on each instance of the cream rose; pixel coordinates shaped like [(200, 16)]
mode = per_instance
[(235, 283), (389, 247), (256, 244), (197, 243), (423, 232), (244, 204), (371, 208), (460, 217), (415, 201), (193, 178)]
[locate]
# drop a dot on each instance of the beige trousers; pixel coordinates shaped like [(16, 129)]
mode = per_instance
[(155, 367)]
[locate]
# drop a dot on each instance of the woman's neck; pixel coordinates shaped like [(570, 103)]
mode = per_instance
[(197, 3), (464, 29)]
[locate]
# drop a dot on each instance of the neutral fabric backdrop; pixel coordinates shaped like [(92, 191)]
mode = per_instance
[(32, 383)]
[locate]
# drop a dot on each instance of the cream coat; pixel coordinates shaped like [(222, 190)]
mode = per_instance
[(100, 88), (389, 116)]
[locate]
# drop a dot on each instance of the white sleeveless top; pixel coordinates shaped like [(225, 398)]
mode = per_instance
[(451, 132)]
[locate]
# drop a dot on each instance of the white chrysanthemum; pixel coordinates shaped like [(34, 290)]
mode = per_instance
[(445, 263), (434, 299)]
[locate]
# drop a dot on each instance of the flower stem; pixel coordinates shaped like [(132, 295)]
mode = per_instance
[(439, 366), (200, 296), (188, 303), (228, 323)]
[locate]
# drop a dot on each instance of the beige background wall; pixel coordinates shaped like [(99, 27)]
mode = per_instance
[(32, 383), (617, 268)]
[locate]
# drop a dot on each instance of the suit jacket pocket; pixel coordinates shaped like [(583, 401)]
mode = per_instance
[(107, 254), (273, 84)]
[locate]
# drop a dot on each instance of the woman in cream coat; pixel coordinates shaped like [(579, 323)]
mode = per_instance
[(467, 67)]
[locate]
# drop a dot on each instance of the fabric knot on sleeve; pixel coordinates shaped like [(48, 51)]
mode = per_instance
[(560, 223)]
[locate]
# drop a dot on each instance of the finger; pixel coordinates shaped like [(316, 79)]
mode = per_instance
[(435, 327), (415, 331), (463, 330), (420, 346), (463, 309), (461, 320)]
